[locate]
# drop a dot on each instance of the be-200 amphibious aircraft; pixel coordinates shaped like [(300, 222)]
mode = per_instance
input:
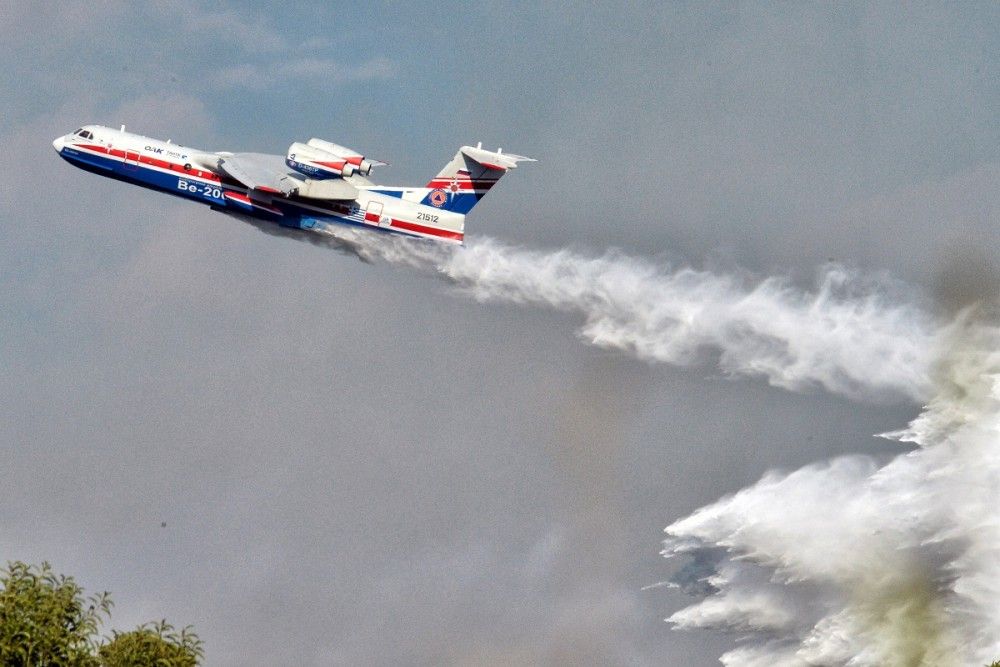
[(312, 186)]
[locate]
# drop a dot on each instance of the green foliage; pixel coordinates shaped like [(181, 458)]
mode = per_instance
[(46, 621), (151, 644)]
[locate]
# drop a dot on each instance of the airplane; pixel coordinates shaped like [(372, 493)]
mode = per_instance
[(314, 186)]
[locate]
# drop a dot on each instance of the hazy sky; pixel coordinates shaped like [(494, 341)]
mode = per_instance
[(354, 464)]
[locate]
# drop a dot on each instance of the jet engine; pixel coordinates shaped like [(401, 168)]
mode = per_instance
[(318, 163), (361, 165)]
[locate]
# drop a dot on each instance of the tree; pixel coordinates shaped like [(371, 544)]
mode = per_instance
[(46, 620), (151, 644)]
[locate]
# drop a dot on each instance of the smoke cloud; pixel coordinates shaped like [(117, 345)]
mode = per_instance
[(849, 335), (841, 562), (847, 562)]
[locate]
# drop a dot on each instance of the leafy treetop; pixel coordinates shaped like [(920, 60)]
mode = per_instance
[(46, 621)]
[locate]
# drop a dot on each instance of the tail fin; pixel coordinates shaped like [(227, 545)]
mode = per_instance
[(468, 177)]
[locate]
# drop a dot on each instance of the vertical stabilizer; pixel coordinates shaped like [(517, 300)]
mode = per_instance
[(468, 177)]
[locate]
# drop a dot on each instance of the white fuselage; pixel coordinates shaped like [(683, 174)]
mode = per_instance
[(193, 174)]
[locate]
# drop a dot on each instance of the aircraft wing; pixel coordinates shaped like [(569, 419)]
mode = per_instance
[(259, 171), (268, 173)]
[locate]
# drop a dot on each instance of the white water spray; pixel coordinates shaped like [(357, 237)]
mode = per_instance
[(848, 336), (839, 563), (851, 564)]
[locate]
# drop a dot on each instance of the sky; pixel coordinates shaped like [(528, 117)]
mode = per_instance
[(357, 464)]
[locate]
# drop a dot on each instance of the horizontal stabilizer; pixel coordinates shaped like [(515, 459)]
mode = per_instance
[(494, 160)]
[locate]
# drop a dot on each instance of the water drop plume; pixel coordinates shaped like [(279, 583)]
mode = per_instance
[(850, 563), (850, 335)]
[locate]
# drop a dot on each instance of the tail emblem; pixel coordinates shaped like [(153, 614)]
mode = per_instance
[(438, 198)]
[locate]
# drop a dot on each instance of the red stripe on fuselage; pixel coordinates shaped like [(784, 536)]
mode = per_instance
[(430, 231), (238, 196), (246, 200), (152, 161), (464, 184)]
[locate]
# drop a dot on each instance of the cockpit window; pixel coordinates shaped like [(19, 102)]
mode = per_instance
[(79, 131), (86, 134)]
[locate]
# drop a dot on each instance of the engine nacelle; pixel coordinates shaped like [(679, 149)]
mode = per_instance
[(351, 156), (317, 163)]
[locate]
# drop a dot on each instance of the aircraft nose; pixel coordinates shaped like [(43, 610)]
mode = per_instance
[(58, 144)]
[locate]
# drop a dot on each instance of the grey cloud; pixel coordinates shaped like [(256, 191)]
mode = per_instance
[(310, 72), (351, 462)]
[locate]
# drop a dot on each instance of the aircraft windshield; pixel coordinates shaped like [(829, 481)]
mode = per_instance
[(84, 133)]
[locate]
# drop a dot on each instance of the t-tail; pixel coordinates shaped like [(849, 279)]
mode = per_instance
[(468, 177)]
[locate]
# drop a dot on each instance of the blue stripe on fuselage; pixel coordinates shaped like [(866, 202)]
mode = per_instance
[(143, 176)]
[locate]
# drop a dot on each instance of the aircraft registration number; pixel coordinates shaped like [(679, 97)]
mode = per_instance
[(426, 216), (199, 189)]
